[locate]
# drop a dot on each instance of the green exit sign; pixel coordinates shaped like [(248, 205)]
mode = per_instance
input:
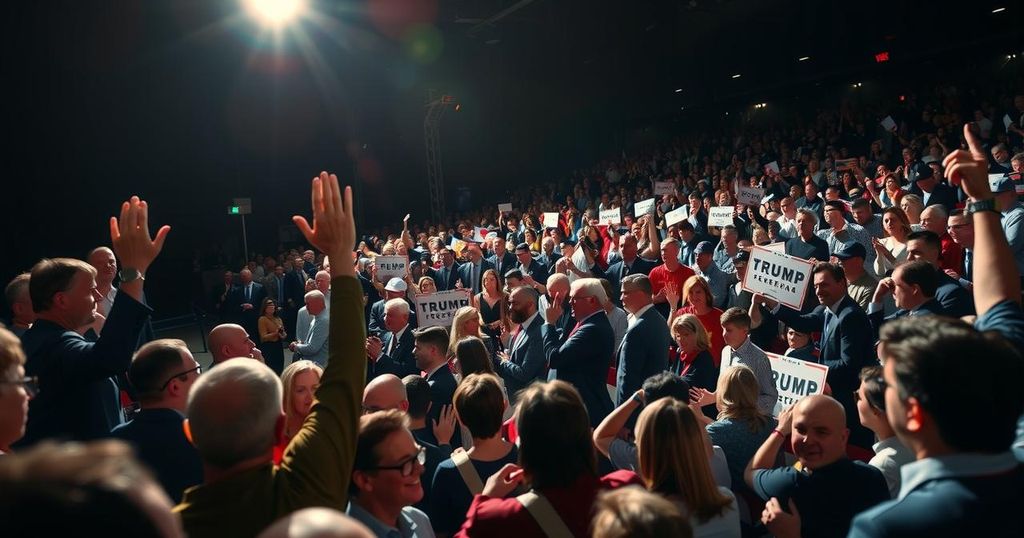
[(234, 210)]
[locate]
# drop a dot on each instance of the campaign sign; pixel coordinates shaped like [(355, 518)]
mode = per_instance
[(479, 234), (389, 267), (677, 215), (772, 167), (778, 246), (749, 195), (779, 276), (888, 124), (662, 188), (504, 208), (795, 379), (645, 207), (845, 164), (610, 216), (720, 216), (439, 308)]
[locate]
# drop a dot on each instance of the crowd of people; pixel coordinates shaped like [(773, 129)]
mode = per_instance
[(605, 379)]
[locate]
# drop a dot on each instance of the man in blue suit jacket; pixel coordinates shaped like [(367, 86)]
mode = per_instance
[(644, 349), (845, 346), (447, 275), (966, 481), (392, 352), (524, 361), (431, 357), (630, 264), (471, 273), (502, 260), (912, 286), (925, 183), (78, 398), (245, 302), (956, 301), (584, 357), (162, 373)]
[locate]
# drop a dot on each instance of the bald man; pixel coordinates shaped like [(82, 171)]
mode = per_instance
[(829, 489), (935, 219), (228, 340), (316, 523), (103, 260), (385, 392)]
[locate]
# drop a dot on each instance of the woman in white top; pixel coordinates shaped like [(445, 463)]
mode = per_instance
[(672, 456), (890, 453), (913, 206), (891, 250)]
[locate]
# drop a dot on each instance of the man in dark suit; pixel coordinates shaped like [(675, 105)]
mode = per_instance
[(549, 255), (630, 264), (912, 286), (294, 293), (221, 293), (471, 273), (531, 267), (394, 289), (78, 398), (524, 361), (583, 358), (845, 349), (392, 352), (502, 259), (446, 276), (966, 481), (925, 183), (431, 349), (956, 301), (162, 373), (246, 299), (644, 349)]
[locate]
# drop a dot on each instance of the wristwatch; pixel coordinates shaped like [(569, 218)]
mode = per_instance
[(129, 275), (636, 398), (982, 205)]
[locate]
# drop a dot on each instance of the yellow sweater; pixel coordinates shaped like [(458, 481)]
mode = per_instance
[(317, 464)]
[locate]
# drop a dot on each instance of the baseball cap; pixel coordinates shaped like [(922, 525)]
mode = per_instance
[(920, 171), (850, 250), (703, 246), (743, 256), (395, 284)]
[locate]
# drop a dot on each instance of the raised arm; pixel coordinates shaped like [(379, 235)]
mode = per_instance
[(321, 454), (609, 429), (994, 279)]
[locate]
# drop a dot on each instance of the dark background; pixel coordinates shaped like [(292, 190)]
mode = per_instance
[(188, 103)]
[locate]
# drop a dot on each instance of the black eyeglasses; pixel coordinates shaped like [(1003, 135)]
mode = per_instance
[(30, 384), (408, 466), (198, 370)]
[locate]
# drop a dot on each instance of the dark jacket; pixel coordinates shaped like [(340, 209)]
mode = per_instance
[(159, 441), (582, 360), (642, 353)]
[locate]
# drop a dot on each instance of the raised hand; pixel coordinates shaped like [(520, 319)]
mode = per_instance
[(779, 522), (129, 236), (333, 231), (969, 169), (554, 310), (444, 428), (504, 481)]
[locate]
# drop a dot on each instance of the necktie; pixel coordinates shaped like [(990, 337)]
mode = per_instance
[(515, 338), (476, 278), (391, 343), (248, 292), (280, 291), (828, 325), (968, 270), (575, 328)]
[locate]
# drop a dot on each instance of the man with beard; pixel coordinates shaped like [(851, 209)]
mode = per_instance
[(523, 362)]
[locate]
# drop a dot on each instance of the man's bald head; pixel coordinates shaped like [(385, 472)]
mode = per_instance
[(819, 431), (236, 413), (558, 284), (323, 281), (228, 341), (316, 523), (385, 392)]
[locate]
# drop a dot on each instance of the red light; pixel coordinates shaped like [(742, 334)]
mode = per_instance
[(882, 57), (903, 98)]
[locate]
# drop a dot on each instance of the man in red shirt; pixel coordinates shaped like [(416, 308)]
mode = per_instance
[(935, 218), (672, 270)]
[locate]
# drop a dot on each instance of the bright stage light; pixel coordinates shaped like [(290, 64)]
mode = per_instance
[(275, 12)]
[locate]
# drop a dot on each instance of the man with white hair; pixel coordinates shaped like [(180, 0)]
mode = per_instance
[(583, 358), (236, 417), (314, 346), (396, 288), (392, 352)]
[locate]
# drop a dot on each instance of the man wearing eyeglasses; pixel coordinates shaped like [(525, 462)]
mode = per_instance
[(162, 372), (583, 359), (386, 477)]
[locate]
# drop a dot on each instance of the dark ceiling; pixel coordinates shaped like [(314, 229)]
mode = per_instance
[(181, 102)]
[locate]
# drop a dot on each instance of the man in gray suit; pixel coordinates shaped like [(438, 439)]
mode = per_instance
[(524, 361), (314, 345), (644, 350)]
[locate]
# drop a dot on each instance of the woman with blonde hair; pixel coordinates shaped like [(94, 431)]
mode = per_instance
[(300, 379), (892, 249), (466, 322), (695, 363), (913, 206), (699, 302), (425, 285), (672, 453), (741, 427)]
